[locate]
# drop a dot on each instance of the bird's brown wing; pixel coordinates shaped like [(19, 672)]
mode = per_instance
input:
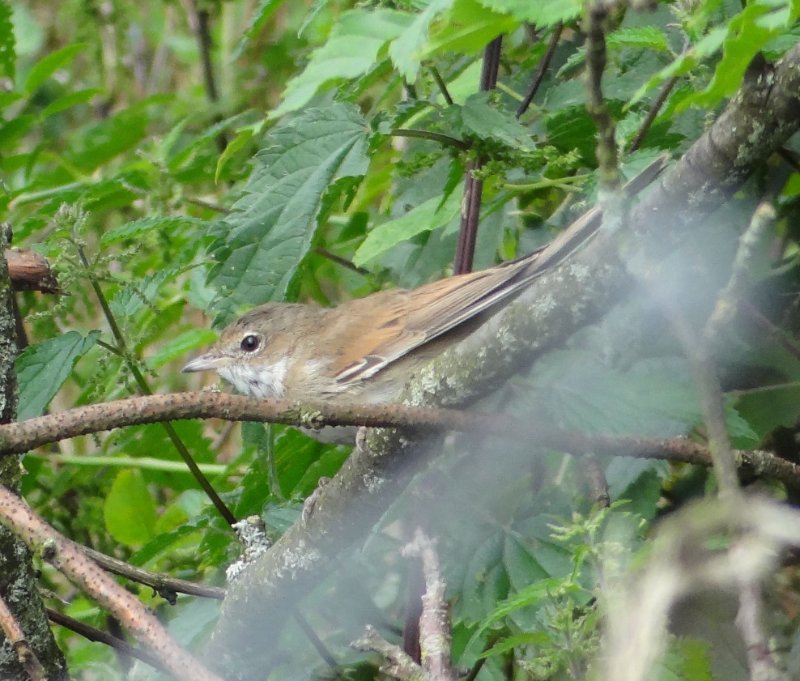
[(383, 331), (387, 330)]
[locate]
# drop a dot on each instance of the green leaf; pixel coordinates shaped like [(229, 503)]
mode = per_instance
[(48, 65), (543, 13), (642, 37), (129, 510), (262, 14), (684, 63), (429, 215), (136, 229), (181, 345), (8, 46), (351, 51), (70, 100), (468, 27), (487, 122), (242, 139), (769, 407), (42, 369), (270, 228), (747, 34), (407, 50)]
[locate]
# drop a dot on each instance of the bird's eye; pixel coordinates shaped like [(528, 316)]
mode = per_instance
[(250, 343)]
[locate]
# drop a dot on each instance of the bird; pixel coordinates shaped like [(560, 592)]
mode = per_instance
[(365, 350)]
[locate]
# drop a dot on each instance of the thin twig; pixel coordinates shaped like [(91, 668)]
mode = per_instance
[(541, 69), (435, 635), (394, 661), (433, 136), (98, 635), (653, 112), (144, 388), (608, 166), (473, 185), (441, 85), (164, 585), (68, 559), (339, 260)]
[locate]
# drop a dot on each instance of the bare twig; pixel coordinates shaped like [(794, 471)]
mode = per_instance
[(16, 638), (441, 85), (541, 69), (473, 185), (434, 622), (653, 112), (608, 165), (394, 661), (68, 559), (100, 636), (165, 586), (144, 388), (446, 140)]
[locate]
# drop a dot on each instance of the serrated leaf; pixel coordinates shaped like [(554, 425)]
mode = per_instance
[(351, 51), (42, 369), (642, 37), (467, 27), (747, 34), (429, 215), (543, 13), (8, 45), (138, 228), (262, 14), (48, 65), (129, 510), (269, 229), (485, 121), (407, 50), (684, 63)]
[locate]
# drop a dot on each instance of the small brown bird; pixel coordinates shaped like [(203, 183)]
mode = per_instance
[(365, 350)]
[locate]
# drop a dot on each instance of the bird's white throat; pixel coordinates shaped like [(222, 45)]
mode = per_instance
[(266, 381)]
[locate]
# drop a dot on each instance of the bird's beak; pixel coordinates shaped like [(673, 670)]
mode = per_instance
[(208, 362)]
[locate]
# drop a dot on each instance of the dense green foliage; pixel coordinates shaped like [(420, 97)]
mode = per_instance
[(326, 163)]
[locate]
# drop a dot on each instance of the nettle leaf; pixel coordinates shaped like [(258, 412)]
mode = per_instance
[(261, 15), (408, 49), (542, 13), (269, 229), (138, 228), (467, 27), (42, 369), (129, 510), (487, 122), (351, 51), (8, 46), (642, 37), (747, 34), (684, 63), (429, 215)]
